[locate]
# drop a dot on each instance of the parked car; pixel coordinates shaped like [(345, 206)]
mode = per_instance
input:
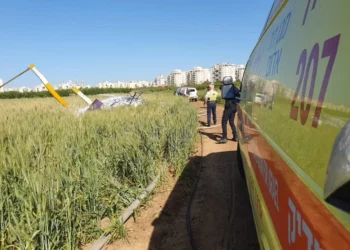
[(189, 92), (259, 98), (192, 94)]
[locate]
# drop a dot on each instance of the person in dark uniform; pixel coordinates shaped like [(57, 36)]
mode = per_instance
[(229, 115)]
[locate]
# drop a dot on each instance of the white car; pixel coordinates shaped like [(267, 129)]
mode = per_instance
[(259, 98), (192, 94)]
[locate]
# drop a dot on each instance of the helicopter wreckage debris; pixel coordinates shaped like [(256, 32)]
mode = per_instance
[(113, 102)]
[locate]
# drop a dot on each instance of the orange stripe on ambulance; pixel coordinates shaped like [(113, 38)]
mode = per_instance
[(269, 178), (297, 223)]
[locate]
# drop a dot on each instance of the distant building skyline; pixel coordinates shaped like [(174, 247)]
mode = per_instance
[(199, 75), (177, 77), (41, 87), (128, 84)]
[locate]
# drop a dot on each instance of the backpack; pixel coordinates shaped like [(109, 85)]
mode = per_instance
[(227, 90)]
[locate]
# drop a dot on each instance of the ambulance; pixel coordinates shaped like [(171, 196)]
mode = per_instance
[(294, 150)]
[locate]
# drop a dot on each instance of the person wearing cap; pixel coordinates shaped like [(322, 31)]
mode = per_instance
[(210, 99)]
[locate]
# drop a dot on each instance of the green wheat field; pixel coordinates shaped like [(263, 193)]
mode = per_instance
[(61, 174)]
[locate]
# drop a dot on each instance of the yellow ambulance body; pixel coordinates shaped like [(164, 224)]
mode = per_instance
[(294, 128)]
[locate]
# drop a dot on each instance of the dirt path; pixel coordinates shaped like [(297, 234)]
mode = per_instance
[(221, 213)]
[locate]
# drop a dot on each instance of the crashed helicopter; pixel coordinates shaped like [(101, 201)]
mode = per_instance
[(112, 102)]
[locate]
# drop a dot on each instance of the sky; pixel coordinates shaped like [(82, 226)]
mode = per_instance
[(110, 40)]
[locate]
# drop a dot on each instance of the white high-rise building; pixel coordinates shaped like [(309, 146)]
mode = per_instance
[(190, 77), (40, 88), (177, 78), (144, 84), (24, 89), (219, 71), (106, 84), (70, 85), (66, 85), (198, 75), (239, 72), (159, 81), (129, 84), (21, 89), (1, 83)]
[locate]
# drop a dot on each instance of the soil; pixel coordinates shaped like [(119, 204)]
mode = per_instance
[(221, 216)]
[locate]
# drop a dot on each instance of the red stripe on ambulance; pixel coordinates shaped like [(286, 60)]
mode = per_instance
[(299, 217)]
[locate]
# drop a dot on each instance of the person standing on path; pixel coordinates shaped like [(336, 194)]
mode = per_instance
[(210, 99), (229, 115)]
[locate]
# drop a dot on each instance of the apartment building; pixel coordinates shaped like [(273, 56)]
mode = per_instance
[(219, 71), (119, 84), (160, 81), (70, 85), (67, 85), (190, 77), (177, 78), (21, 89), (24, 89), (240, 72), (143, 84), (198, 75), (40, 88), (116, 84)]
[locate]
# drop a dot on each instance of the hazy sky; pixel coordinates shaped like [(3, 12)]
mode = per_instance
[(124, 39)]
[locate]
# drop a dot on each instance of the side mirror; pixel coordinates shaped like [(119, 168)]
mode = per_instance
[(337, 185)]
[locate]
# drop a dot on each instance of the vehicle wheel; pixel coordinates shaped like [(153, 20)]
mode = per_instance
[(240, 162)]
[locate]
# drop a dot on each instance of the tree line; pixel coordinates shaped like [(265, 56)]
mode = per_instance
[(96, 91), (69, 92)]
